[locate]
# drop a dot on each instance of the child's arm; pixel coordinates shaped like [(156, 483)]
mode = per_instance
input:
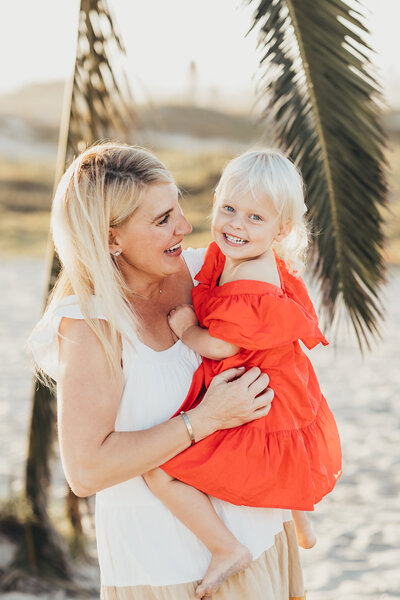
[(184, 324)]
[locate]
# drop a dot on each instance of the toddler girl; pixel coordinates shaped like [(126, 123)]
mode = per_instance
[(251, 309)]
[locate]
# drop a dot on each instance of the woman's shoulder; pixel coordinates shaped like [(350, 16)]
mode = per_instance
[(43, 343)]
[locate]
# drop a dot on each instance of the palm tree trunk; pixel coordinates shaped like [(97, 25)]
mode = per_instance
[(43, 551), (83, 122)]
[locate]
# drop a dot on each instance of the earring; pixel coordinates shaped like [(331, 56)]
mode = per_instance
[(117, 253)]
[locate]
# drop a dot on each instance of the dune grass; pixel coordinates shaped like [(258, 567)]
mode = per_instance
[(26, 191)]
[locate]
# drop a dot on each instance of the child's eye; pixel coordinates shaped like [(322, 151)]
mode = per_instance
[(228, 208), (255, 218)]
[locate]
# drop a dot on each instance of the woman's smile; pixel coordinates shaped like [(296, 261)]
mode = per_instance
[(175, 250)]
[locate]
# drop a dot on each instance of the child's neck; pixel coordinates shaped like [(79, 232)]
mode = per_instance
[(261, 259), (261, 268)]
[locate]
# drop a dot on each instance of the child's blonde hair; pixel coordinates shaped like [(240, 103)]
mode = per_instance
[(102, 188), (270, 173)]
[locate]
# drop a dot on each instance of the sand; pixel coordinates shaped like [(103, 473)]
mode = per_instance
[(357, 555)]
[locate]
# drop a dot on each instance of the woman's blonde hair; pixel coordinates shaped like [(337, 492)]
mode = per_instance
[(269, 173), (102, 188)]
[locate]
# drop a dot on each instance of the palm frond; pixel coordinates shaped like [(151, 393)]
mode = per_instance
[(101, 102), (324, 101)]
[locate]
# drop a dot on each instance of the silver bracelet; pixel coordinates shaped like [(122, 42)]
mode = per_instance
[(188, 427)]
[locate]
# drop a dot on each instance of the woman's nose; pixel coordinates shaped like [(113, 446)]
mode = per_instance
[(183, 227)]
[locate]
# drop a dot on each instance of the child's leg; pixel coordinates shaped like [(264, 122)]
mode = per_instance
[(194, 509), (304, 530)]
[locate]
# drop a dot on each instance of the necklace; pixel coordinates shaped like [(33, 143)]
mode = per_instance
[(160, 290)]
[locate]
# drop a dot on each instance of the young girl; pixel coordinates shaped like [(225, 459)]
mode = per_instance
[(253, 309)]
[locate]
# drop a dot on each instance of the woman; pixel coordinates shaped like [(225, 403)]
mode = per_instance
[(121, 374)]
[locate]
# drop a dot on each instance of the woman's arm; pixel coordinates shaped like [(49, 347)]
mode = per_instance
[(94, 455), (184, 324)]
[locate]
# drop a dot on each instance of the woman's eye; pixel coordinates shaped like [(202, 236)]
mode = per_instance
[(255, 218), (164, 220)]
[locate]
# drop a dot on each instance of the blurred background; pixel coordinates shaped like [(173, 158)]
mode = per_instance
[(193, 75)]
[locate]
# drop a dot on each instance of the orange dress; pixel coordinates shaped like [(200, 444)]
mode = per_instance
[(291, 458)]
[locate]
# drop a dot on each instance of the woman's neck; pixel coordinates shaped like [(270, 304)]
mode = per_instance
[(144, 285), (147, 290)]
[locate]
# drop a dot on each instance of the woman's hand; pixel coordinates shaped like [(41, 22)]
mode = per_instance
[(181, 318), (232, 399)]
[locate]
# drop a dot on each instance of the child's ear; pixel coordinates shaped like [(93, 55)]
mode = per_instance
[(215, 198), (284, 230)]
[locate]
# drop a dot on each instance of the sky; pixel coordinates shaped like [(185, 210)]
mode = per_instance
[(162, 38)]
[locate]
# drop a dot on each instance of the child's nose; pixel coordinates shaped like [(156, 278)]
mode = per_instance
[(236, 221)]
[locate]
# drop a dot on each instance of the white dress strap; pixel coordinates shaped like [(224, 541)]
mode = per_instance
[(194, 259)]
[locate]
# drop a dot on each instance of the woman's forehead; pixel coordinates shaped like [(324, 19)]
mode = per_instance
[(156, 199)]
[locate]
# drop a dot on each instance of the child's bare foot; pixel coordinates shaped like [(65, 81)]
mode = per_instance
[(222, 566)]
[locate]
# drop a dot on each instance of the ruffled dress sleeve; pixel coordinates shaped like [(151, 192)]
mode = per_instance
[(253, 314), (44, 341)]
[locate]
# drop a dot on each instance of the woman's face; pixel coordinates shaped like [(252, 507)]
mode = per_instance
[(150, 241)]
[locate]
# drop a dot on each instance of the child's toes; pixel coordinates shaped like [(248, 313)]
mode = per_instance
[(204, 592), (200, 592)]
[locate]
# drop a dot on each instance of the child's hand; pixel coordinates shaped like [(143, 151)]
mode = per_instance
[(181, 318)]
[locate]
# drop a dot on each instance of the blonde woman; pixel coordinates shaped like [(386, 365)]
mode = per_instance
[(121, 373)]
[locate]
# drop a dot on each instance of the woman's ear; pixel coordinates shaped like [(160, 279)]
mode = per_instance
[(113, 242)]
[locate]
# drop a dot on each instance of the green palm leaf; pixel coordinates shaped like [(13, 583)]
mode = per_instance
[(324, 102)]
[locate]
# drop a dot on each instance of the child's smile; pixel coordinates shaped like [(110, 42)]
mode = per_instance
[(236, 241)]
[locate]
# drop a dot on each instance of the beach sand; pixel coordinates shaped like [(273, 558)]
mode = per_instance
[(357, 556)]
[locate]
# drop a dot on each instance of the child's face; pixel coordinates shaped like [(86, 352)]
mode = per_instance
[(244, 228)]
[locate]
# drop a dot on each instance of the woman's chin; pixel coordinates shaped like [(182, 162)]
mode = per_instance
[(173, 264)]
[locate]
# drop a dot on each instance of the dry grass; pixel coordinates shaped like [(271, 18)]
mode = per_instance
[(26, 190), (23, 234)]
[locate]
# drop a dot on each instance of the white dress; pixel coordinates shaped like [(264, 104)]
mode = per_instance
[(143, 549)]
